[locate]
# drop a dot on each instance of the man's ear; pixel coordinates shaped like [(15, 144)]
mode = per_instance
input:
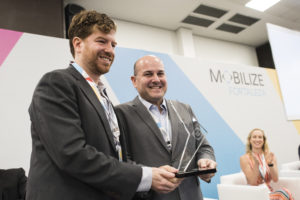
[(77, 44), (133, 80)]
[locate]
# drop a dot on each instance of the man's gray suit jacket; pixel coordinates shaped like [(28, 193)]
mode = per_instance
[(73, 152), (146, 145)]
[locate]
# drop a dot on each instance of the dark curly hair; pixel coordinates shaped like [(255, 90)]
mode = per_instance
[(83, 23)]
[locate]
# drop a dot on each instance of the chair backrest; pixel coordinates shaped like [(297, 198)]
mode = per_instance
[(289, 173), (291, 165), (242, 192), (234, 187), (234, 179)]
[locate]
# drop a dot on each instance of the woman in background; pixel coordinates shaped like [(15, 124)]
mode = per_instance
[(260, 166)]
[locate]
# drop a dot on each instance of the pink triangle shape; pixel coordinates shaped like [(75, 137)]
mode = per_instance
[(8, 39)]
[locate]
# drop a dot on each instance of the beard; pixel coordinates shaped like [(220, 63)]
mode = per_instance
[(98, 66), (99, 69)]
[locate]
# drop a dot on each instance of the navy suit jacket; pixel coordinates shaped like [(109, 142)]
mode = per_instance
[(73, 152)]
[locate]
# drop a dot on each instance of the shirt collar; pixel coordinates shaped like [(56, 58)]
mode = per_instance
[(150, 105), (87, 78), (77, 67)]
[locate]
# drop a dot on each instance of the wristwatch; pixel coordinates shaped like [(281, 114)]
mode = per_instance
[(271, 165)]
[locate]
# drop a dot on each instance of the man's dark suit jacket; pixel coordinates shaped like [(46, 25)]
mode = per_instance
[(73, 152), (12, 184), (147, 146)]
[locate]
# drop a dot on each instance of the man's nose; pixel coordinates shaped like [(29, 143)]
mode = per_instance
[(109, 48), (155, 77)]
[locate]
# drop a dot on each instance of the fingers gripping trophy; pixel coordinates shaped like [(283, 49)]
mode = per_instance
[(188, 155)]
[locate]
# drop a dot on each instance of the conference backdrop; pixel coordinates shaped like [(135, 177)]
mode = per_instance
[(285, 45), (229, 100)]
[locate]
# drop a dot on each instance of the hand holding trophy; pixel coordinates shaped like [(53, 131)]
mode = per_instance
[(206, 167)]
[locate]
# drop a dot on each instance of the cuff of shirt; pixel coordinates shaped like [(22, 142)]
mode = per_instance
[(146, 180)]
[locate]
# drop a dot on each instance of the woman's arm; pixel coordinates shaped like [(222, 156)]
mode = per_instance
[(272, 163), (252, 174)]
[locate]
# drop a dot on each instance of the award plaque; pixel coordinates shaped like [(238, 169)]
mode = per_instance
[(193, 139)]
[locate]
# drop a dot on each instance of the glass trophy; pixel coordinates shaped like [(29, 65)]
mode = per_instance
[(187, 156)]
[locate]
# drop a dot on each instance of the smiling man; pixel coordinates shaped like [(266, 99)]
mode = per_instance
[(154, 133), (77, 150)]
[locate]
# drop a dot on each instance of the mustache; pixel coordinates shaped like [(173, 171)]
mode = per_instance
[(156, 84), (106, 54)]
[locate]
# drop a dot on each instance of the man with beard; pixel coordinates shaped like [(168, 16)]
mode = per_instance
[(77, 150), (155, 133)]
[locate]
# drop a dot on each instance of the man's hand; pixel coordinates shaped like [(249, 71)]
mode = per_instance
[(163, 179), (206, 164), (172, 170)]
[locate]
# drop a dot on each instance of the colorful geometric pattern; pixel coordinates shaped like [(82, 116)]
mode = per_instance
[(227, 116)]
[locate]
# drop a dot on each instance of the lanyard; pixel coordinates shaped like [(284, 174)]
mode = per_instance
[(163, 130), (110, 114)]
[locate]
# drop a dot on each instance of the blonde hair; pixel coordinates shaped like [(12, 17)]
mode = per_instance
[(265, 146)]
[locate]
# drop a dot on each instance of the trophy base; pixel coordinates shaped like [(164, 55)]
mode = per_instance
[(195, 172)]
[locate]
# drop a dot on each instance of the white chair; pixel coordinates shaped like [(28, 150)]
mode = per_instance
[(234, 187), (291, 169)]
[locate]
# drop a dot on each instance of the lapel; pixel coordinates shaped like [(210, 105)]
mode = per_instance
[(146, 117), (91, 96), (179, 134)]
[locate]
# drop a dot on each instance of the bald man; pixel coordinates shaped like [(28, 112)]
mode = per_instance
[(154, 133)]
